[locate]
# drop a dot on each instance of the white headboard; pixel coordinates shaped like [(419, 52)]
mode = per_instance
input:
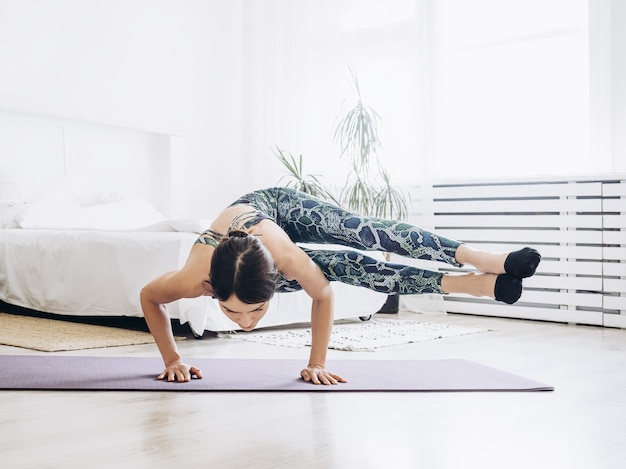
[(38, 150)]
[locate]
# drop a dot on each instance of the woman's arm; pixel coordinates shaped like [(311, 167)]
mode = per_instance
[(322, 314), (172, 286), (313, 281), (295, 264)]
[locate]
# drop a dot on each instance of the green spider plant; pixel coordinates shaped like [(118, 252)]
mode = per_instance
[(299, 180), (357, 136)]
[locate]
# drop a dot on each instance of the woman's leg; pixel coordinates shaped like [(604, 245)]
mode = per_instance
[(520, 264), (307, 219), (484, 261), (355, 268)]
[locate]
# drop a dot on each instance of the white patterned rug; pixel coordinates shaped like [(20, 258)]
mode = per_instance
[(359, 336)]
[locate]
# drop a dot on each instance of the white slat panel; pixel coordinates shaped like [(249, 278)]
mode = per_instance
[(614, 190), (585, 300), (614, 205), (615, 302), (581, 243), (517, 190), (526, 236), (520, 221), (593, 318), (614, 221), (614, 237), (564, 282), (579, 268), (524, 206), (615, 254), (615, 285), (546, 297), (615, 320), (614, 269), (562, 252)]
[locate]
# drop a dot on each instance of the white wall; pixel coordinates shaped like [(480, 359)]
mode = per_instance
[(163, 66), (227, 76), (297, 82), (618, 84)]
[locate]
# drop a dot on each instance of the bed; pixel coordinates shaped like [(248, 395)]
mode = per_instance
[(70, 246)]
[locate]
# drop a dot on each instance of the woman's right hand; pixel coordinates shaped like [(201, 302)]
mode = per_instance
[(180, 372)]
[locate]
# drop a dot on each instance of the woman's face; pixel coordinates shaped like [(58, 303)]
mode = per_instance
[(245, 315)]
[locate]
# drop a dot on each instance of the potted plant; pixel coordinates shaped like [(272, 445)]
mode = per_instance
[(368, 189), (298, 179)]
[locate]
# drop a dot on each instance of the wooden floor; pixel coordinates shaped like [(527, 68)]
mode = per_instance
[(580, 425)]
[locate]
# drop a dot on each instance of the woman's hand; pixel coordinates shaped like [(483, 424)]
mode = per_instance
[(178, 371), (316, 374)]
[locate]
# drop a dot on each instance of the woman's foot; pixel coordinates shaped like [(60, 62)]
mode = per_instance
[(503, 287), (507, 288), (520, 264)]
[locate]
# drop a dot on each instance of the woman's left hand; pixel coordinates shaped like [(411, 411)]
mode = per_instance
[(318, 375)]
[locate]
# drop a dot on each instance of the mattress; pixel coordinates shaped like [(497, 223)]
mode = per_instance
[(68, 255), (100, 273)]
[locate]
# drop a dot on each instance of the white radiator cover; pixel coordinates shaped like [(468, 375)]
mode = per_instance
[(577, 224)]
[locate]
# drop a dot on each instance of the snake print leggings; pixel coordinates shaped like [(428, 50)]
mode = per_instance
[(307, 219)]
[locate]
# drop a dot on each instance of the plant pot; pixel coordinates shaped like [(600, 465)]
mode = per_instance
[(391, 306)]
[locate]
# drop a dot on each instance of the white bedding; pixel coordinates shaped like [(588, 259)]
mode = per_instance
[(92, 273), (92, 260)]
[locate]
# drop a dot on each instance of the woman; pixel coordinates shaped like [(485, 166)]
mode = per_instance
[(250, 252)]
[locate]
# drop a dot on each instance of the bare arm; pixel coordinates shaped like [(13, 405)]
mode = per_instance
[(313, 281), (172, 286), (294, 264), (322, 314)]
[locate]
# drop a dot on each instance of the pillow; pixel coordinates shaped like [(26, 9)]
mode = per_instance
[(124, 212)]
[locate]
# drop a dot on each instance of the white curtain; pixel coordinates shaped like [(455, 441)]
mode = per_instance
[(481, 89), (297, 81)]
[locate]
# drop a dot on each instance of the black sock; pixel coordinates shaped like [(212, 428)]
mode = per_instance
[(522, 263), (508, 288)]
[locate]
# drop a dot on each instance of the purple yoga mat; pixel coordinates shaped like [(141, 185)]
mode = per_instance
[(134, 373)]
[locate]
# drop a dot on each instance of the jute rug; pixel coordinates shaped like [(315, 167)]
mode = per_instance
[(360, 336), (49, 335)]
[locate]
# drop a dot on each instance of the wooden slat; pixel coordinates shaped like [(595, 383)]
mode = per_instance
[(526, 236), (545, 297), (614, 205), (614, 221), (578, 268), (521, 221), (614, 190), (584, 300), (615, 302), (517, 190), (594, 318), (615, 285), (616, 254), (614, 269), (561, 252), (523, 206), (615, 320), (614, 237), (564, 282)]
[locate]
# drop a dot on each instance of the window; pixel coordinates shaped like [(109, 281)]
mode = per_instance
[(511, 88)]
